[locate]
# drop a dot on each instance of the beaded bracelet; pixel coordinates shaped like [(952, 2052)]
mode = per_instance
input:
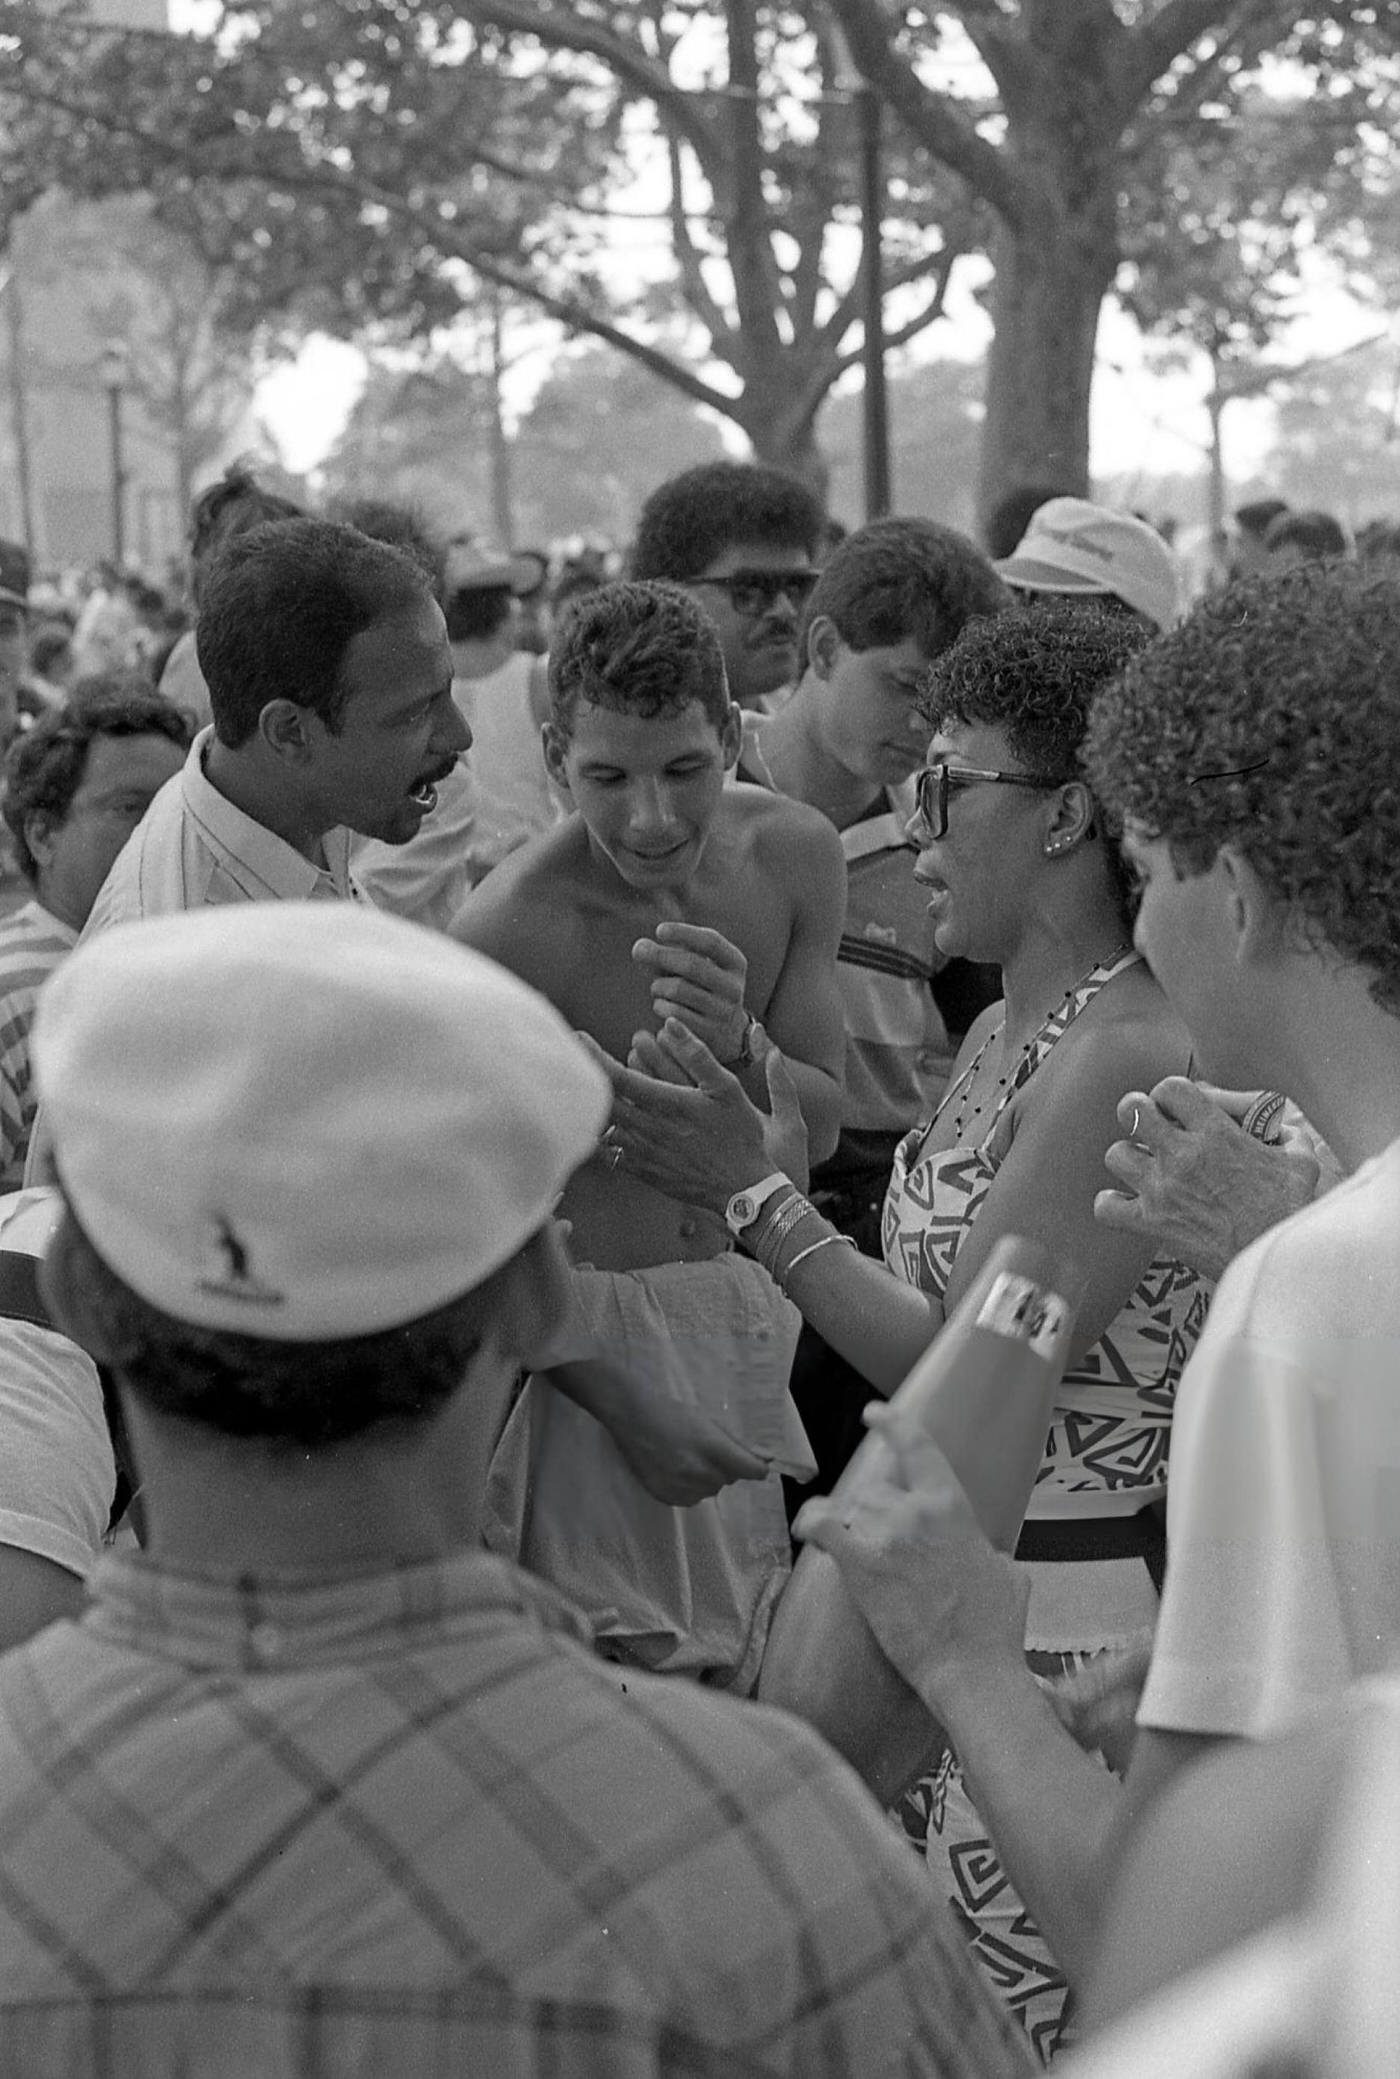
[(776, 1208), (776, 1229), (824, 1241)]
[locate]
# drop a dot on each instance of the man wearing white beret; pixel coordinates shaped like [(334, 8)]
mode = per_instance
[(315, 1784)]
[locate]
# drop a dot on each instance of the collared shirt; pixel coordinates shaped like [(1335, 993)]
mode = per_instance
[(32, 943), (407, 1822), (193, 847), (897, 1049)]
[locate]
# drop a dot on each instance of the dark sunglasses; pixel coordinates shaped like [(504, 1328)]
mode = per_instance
[(755, 592), (934, 783)]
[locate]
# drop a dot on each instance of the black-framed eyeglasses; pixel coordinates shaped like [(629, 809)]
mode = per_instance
[(755, 592), (934, 783)]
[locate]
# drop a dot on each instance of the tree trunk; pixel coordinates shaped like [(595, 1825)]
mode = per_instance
[(19, 407), (780, 436), (502, 499), (1051, 278)]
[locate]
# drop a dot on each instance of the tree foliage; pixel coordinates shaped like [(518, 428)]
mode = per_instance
[(365, 167), (423, 435), (1338, 436), (1093, 102), (150, 291), (366, 164)]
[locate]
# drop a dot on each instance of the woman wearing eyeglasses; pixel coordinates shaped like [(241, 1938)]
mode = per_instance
[(1022, 872)]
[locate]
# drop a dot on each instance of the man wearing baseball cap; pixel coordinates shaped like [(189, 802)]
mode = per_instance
[(1073, 549), (315, 1784)]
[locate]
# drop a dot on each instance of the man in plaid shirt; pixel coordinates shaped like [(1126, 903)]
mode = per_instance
[(315, 1784)]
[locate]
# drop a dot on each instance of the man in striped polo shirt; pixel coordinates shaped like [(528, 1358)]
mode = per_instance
[(890, 599)]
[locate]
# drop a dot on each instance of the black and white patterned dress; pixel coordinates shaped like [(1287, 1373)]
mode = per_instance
[(1105, 1460)]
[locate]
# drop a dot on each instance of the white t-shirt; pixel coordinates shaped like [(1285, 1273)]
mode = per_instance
[(57, 1470), (1283, 1572), (1315, 1993)]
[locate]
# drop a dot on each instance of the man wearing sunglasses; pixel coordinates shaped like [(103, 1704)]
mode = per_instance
[(743, 540)]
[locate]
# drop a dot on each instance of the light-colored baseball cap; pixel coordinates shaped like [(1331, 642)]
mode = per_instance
[(306, 1121), (1074, 547), (471, 567)]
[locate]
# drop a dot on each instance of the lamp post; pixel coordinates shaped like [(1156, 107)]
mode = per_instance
[(114, 367), (871, 178), (872, 201)]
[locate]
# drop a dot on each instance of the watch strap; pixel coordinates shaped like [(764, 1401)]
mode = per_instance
[(744, 1207)]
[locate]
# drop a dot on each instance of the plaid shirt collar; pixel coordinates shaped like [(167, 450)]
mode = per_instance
[(209, 1618)]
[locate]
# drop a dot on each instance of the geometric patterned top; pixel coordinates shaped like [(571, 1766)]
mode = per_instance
[(1108, 1443)]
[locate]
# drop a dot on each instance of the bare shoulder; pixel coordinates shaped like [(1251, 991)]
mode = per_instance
[(521, 913), (789, 839), (1131, 1032)]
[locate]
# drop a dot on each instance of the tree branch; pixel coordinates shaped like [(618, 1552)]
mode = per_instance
[(694, 288), (1158, 43), (633, 66), (933, 119)]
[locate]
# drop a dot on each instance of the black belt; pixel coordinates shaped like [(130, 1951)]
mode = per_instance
[(1142, 1536)]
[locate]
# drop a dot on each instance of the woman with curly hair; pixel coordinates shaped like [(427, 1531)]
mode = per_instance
[(1023, 871), (1252, 753)]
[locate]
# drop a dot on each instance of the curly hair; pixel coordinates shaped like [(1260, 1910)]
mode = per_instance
[(639, 649), (301, 1396), (1269, 721), (1034, 673), (44, 768), (282, 604), (894, 579), (696, 516)]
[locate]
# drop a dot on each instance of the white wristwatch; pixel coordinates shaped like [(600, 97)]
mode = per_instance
[(744, 1207)]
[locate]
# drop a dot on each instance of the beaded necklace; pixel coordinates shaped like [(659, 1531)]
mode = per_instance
[(966, 1081)]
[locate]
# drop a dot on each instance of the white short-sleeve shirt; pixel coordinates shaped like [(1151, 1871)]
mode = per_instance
[(1283, 1572), (57, 1469)]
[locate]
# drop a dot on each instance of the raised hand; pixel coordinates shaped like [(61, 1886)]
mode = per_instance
[(698, 979), (686, 1125)]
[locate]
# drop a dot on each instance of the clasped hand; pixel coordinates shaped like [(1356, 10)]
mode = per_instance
[(687, 1126), (699, 980)]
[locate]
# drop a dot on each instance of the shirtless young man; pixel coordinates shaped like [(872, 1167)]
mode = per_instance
[(668, 894)]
